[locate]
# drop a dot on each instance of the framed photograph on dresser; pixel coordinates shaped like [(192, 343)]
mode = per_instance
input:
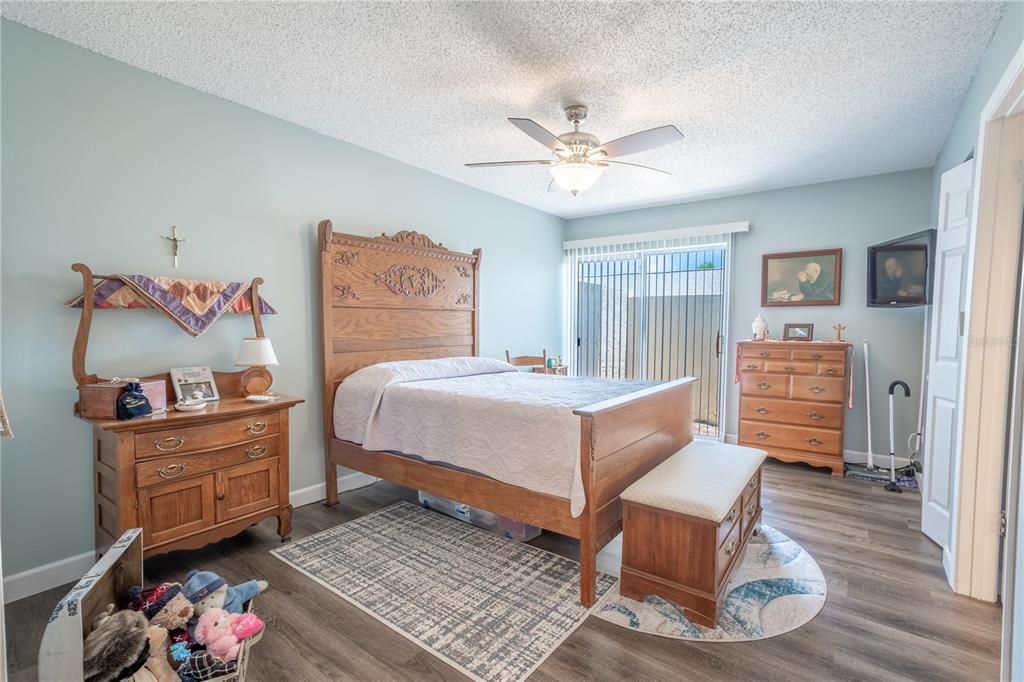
[(189, 380)]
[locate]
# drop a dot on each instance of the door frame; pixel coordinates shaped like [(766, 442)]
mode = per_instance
[(973, 561)]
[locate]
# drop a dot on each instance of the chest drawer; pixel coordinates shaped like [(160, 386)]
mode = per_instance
[(791, 366), (763, 435), (828, 415), (832, 356), (730, 520), (764, 385), (765, 353), (727, 553), (163, 469), (826, 389), (829, 369), (751, 365), (193, 438)]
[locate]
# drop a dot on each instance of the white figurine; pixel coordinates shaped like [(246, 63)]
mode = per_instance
[(760, 327)]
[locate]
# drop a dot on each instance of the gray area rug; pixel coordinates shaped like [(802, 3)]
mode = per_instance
[(493, 608)]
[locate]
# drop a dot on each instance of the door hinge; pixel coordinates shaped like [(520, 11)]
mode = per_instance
[(1002, 523), (1020, 170)]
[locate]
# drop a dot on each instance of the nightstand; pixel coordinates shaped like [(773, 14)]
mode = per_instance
[(192, 478)]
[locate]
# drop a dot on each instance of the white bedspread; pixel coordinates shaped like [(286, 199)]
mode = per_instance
[(477, 414)]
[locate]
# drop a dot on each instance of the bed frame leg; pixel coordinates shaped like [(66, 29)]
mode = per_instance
[(588, 567), (331, 483)]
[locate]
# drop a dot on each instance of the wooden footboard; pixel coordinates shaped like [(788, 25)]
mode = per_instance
[(621, 440)]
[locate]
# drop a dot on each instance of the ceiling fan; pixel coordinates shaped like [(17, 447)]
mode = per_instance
[(580, 158)]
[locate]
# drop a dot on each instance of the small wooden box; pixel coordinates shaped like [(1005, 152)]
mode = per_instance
[(99, 401)]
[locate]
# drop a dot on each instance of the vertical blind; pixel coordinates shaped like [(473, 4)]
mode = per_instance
[(651, 307)]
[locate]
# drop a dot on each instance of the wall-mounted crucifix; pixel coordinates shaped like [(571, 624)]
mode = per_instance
[(175, 241)]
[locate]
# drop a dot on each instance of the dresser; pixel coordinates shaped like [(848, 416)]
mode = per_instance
[(191, 478), (792, 400)]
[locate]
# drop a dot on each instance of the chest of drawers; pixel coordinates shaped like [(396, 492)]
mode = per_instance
[(792, 400), (191, 478)]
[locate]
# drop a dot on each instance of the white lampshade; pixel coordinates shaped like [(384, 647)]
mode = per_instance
[(256, 352), (575, 176)]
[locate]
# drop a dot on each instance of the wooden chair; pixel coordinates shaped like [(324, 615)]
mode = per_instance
[(528, 360)]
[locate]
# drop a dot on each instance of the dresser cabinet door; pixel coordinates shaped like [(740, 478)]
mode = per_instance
[(172, 510), (246, 489)]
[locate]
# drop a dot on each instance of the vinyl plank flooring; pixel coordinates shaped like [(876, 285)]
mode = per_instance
[(889, 613)]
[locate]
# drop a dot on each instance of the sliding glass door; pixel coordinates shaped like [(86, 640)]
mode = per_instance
[(653, 314)]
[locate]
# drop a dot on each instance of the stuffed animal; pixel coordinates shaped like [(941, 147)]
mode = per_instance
[(157, 667), (223, 633), (202, 665), (164, 605), (207, 590), (117, 647)]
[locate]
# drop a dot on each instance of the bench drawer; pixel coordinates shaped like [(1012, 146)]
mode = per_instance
[(727, 553), (825, 389), (731, 519), (771, 385), (193, 438), (765, 435)]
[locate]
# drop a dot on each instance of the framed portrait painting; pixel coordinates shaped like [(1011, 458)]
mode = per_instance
[(799, 278)]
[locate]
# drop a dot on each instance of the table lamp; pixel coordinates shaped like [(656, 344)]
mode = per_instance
[(256, 354)]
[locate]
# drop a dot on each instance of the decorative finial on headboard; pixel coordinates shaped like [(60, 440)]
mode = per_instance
[(324, 231), (412, 238)]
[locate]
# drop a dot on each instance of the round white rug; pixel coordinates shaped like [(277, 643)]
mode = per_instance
[(777, 588)]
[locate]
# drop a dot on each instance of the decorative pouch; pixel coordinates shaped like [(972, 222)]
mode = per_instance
[(133, 402)]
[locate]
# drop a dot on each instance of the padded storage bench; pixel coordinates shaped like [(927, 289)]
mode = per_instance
[(686, 523)]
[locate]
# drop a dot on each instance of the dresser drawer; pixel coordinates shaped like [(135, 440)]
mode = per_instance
[(765, 353), (834, 356), (784, 436), (764, 385), (830, 369), (193, 438), (751, 365), (821, 388), (828, 415), (164, 469), (791, 366)]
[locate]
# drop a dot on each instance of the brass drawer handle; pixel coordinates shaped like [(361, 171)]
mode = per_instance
[(751, 511), (815, 441), (816, 356), (763, 410), (764, 385), (765, 354), (730, 549), (752, 366), (815, 415), (258, 427), (751, 483), (168, 444), (220, 497), (762, 435), (171, 470), (815, 388), (831, 370), (256, 451), (789, 369), (732, 515)]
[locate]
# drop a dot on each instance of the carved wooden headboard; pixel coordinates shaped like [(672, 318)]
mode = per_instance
[(398, 297)]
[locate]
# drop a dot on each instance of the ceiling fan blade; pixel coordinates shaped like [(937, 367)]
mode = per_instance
[(489, 164), (639, 142), (552, 187), (635, 166), (540, 133)]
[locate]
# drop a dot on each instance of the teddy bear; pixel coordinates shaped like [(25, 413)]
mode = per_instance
[(206, 590), (164, 605), (117, 647), (223, 633)]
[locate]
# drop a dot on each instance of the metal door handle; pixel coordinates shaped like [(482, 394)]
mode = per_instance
[(763, 410), (815, 388), (168, 444), (256, 451), (815, 442), (171, 470), (258, 427), (718, 345), (220, 497)]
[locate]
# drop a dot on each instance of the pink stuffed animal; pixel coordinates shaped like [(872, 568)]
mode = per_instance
[(222, 633)]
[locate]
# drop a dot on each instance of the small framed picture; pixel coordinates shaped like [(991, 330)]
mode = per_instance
[(194, 382), (798, 332)]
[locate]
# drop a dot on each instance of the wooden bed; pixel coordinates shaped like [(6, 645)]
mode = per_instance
[(404, 297)]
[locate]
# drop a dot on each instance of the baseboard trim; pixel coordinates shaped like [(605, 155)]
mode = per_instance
[(42, 578), (849, 456)]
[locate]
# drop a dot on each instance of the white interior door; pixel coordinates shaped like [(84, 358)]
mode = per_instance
[(945, 353)]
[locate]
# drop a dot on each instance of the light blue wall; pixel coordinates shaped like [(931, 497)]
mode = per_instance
[(851, 214), (100, 159), (963, 136)]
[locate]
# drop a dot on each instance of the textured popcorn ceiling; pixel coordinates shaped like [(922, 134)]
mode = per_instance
[(768, 95)]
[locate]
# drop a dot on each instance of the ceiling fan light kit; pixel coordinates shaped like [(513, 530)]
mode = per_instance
[(579, 158)]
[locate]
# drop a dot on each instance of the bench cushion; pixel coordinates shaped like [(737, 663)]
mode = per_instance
[(703, 480)]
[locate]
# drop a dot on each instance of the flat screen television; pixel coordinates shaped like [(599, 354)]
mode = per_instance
[(900, 271)]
